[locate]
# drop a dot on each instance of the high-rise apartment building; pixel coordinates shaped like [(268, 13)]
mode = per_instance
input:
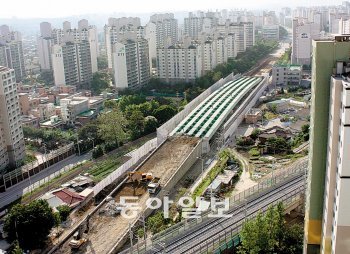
[(114, 31), (45, 42), (131, 63), (71, 63), (50, 37), (179, 63), (203, 23), (166, 27), (303, 34), (271, 32), (244, 35), (12, 148), (11, 51), (327, 221)]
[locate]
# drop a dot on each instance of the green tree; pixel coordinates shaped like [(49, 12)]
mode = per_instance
[(151, 124), (277, 145), (140, 232), (305, 128), (268, 234), (63, 211), (136, 124), (112, 127), (17, 249), (100, 81), (110, 104), (255, 133), (217, 76), (129, 100), (89, 131), (102, 63), (164, 113), (157, 222), (30, 224), (97, 152), (273, 108)]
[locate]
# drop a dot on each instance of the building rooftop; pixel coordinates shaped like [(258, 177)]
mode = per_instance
[(87, 113)]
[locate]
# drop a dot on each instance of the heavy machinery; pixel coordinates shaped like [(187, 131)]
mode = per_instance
[(154, 186), (78, 239), (140, 177)]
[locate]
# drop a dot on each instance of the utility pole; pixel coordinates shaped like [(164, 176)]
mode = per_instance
[(131, 236), (78, 146)]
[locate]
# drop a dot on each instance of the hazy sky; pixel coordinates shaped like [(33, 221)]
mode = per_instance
[(61, 8)]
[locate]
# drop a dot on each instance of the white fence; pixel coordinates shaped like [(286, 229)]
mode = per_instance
[(135, 155), (169, 126)]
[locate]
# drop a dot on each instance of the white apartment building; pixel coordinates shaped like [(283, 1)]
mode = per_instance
[(12, 148), (286, 74), (166, 27), (303, 34), (344, 26), (203, 23), (131, 63), (71, 63), (271, 32), (244, 35), (50, 37), (208, 56), (179, 63), (11, 51), (151, 37), (114, 29), (336, 223)]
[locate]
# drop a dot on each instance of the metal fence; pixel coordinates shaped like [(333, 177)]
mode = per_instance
[(266, 183), (136, 156), (230, 236), (11, 178)]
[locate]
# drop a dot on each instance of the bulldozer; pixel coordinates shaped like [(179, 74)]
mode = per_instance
[(140, 177)]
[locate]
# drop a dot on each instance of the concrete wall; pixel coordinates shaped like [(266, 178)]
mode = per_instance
[(181, 171), (184, 167), (169, 126), (231, 125)]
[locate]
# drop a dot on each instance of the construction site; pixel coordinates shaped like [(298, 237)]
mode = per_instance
[(106, 228), (180, 142)]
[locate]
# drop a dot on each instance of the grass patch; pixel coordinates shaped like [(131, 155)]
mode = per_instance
[(254, 152), (109, 163), (224, 156), (269, 115)]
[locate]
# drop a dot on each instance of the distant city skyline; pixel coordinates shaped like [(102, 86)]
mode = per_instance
[(46, 9)]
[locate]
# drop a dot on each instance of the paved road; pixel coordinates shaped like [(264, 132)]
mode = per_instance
[(35, 181)]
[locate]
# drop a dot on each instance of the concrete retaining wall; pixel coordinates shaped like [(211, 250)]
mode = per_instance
[(184, 167)]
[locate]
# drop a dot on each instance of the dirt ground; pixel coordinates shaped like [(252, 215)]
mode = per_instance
[(167, 159), (106, 230)]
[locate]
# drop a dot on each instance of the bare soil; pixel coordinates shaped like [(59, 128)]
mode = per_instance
[(105, 231)]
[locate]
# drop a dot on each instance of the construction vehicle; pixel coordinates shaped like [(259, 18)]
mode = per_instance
[(140, 176), (78, 239), (154, 186)]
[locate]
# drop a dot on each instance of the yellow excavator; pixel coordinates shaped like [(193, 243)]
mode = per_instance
[(140, 177)]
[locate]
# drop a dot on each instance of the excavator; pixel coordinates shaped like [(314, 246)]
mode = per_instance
[(140, 177), (78, 237)]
